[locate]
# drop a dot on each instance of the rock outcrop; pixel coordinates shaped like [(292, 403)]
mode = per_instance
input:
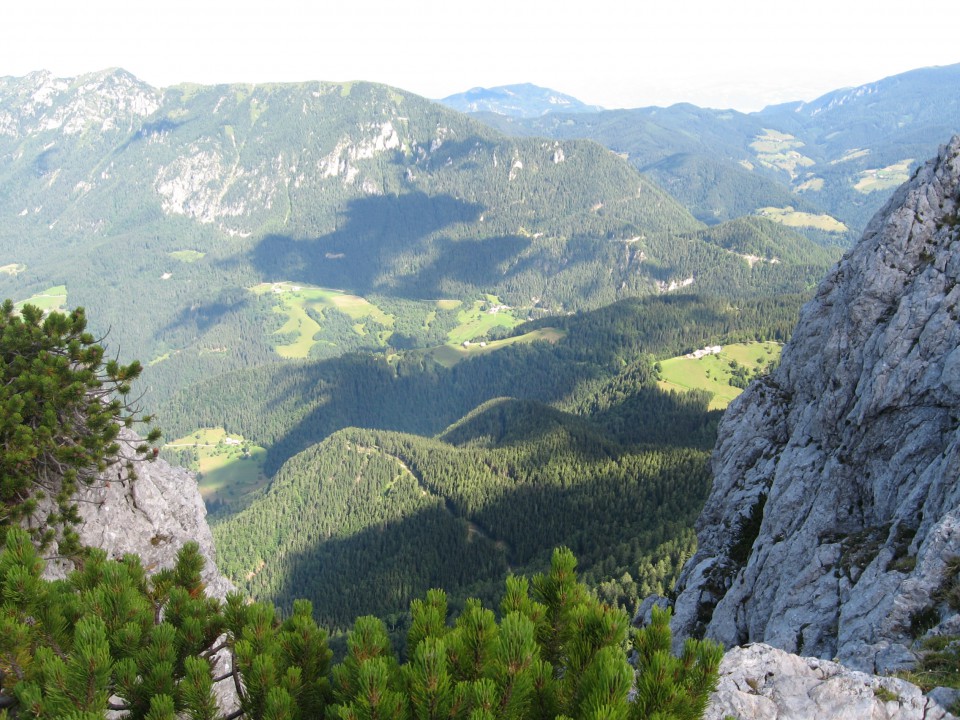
[(762, 683), (835, 507), (151, 516)]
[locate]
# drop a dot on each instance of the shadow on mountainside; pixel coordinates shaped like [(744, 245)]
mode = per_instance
[(388, 244)]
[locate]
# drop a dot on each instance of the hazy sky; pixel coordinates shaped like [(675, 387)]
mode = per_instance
[(616, 53)]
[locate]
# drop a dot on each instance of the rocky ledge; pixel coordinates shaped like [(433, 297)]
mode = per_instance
[(763, 683)]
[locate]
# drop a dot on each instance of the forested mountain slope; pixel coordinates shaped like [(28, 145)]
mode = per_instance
[(840, 155), (293, 261), (158, 210), (482, 467), (289, 407)]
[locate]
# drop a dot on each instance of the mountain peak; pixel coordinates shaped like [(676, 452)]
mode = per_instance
[(523, 100)]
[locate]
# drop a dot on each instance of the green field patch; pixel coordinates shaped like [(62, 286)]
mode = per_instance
[(884, 178), (293, 300), (814, 184), (13, 269), (448, 304), (477, 320), (450, 355), (713, 372), (850, 155), (227, 466), (51, 299), (187, 256), (780, 150), (792, 218)]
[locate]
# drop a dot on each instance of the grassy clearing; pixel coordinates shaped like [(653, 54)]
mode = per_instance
[(713, 372), (480, 318), (779, 150), (54, 298), (792, 218), (13, 269), (228, 467), (850, 155), (815, 184), (450, 355), (302, 325), (292, 301), (187, 256), (884, 178)]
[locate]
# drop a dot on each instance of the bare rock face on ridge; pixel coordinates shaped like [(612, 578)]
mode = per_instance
[(152, 516), (836, 503)]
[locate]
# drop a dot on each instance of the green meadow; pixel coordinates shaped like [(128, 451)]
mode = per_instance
[(292, 302), (481, 317), (450, 355), (12, 269), (780, 150), (713, 372), (884, 178), (793, 218), (54, 298), (302, 308), (227, 466), (187, 256)]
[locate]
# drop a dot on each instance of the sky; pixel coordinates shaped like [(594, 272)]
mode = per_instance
[(740, 54)]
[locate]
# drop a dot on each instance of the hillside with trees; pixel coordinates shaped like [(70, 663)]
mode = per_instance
[(115, 636), (358, 187)]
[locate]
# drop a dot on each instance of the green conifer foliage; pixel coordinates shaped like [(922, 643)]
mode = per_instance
[(669, 687), (61, 409), (108, 630), (478, 669), (111, 638)]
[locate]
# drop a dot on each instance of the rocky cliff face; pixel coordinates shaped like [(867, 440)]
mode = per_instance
[(151, 516), (836, 507)]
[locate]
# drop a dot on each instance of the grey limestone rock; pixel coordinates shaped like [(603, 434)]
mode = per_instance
[(835, 503), (151, 516), (760, 682)]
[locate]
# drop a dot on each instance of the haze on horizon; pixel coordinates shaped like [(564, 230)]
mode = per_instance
[(609, 52)]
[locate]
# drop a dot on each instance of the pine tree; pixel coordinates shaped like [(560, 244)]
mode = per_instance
[(61, 409), (110, 637)]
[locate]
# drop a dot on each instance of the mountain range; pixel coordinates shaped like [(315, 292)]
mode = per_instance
[(161, 212), (838, 155), (429, 337)]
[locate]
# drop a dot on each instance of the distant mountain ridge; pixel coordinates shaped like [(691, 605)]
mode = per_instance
[(524, 100), (839, 155)]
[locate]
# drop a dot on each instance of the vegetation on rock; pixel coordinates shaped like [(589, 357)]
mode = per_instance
[(61, 409)]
